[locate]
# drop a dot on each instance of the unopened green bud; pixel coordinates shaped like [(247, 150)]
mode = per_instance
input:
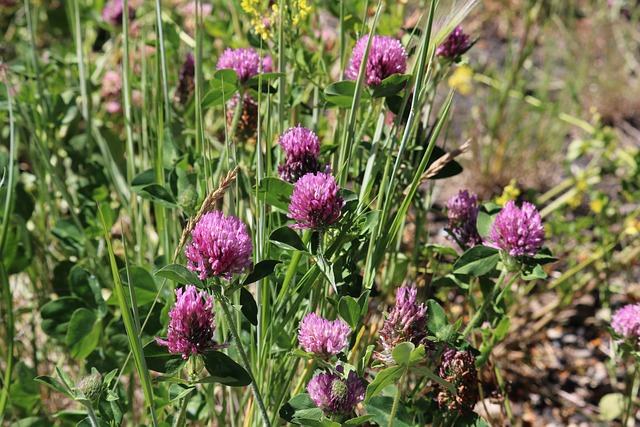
[(91, 386), (339, 389)]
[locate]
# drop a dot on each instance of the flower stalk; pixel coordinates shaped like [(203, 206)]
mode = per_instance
[(243, 356), (396, 399), (91, 414), (485, 304), (182, 413)]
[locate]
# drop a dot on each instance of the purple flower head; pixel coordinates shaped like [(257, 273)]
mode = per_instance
[(315, 202), (113, 107), (245, 62), (267, 64), (186, 84), (302, 149), (386, 57), (300, 142), (459, 369), (517, 231), (220, 246), (626, 322), (192, 325), (112, 12), (455, 45), (407, 322), (111, 84), (463, 213), (335, 394), (112, 91), (323, 337)]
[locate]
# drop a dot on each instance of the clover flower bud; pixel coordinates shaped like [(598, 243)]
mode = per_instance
[(186, 81), (302, 149), (247, 125), (455, 45), (91, 386), (459, 369), (407, 322), (463, 213)]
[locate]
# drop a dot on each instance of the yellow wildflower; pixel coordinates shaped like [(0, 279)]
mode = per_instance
[(510, 192), (596, 206), (254, 9), (575, 200), (260, 28), (303, 9), (632, 227), (460, 80), (250, 6)]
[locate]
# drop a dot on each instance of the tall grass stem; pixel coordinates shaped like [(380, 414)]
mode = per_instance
[(243, 357)]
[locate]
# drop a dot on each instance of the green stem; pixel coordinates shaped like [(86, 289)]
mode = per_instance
[(345, 149), (396, 399), (302, 379), (163, 65), (9, 199), (76, 28), (370, 169), (373, 107), (478, 315), (243, 357), (291, 270), (383, 234), (342, 47), (198, 87), (6, 379), (282, 66), (425, 63), (162, 126), (288, 379), (126, 95), (44, 101), (4, 279), (633, 391), (182, 413), (93, 418), (263, 297), (234, 124), (506, 289), (229, 145), (132, 329), (507, 403)]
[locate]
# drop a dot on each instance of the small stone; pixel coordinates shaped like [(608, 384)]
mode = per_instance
[(554, 334)]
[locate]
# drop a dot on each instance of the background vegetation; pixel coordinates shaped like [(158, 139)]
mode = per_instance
[(96, 197)]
